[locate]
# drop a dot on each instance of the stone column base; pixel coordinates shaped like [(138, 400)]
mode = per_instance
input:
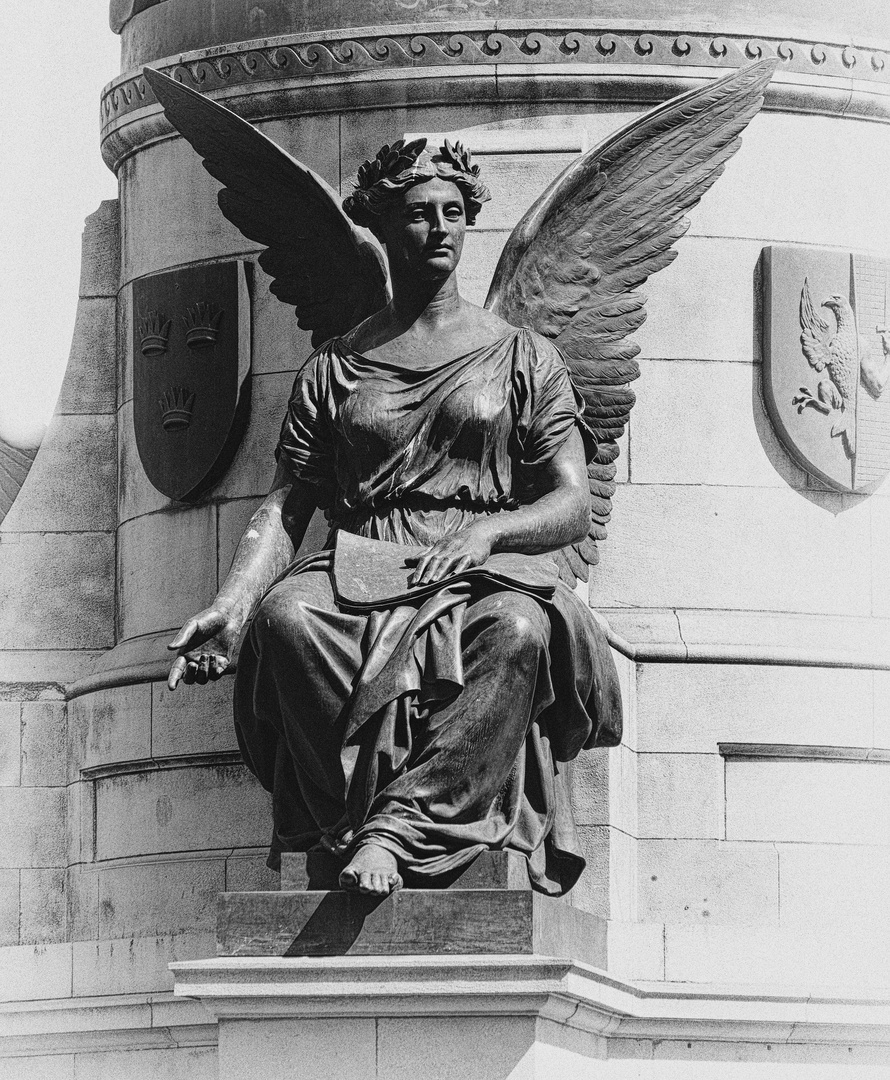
[(518, 1018)]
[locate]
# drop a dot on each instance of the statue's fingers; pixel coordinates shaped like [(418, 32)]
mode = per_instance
[(432, 571), (203, 670), (422, 563), (218, 665), (177, 670), (185, 635), (190, 669)]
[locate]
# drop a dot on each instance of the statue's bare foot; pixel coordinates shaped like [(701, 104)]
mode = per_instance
[(373, 870)]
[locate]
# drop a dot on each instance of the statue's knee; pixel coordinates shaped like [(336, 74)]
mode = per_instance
[(522, 623), (280, 617)]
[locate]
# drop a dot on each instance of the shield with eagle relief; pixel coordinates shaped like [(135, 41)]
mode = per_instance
[(826, 361), (191, 359)]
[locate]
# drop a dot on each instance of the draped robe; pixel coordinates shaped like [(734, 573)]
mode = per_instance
[(439, 726)]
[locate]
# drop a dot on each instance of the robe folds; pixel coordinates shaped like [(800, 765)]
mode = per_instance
[(435, 725)]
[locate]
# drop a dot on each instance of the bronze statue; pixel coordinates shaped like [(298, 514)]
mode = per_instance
[(412, 694)]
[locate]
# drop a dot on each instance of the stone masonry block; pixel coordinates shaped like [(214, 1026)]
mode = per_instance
[(100, 251), (820, 880), (44, 743), (703, 547), (209, 725), (455, 1047), (82, 892), (44, 906), (172, 215), (252, 470), (345, 1048), (81, 825), (54, 590), (248, 873), (787, 210), (125, 345), (833, 802), (136, 494), (187, 809), (9, 907), (847, 955), (72, 484), (110, 725), (700, 308), (680, 796), (692, 707), (89, 383), (604, 789), (134, 965), (721, 402), (38, 838), (592, 890), (881, 735), (708, 881), (608, 885), (880, 531), (159, 897), (180, 1063), (167, 569), (35, 972), (55, 1067), (279, 345), (10, 743)]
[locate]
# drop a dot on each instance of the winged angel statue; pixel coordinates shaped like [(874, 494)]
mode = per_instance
[(412, 695)]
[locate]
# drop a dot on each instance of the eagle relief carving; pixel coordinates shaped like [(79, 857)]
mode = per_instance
[(846, 357), (837, 427)]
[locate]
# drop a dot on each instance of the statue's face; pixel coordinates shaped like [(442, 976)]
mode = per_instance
[(423, 229)]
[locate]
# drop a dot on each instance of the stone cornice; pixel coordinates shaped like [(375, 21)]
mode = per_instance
[(351, 53), (565, 992)]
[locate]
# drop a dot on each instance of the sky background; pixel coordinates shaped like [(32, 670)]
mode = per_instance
[(58, 56)]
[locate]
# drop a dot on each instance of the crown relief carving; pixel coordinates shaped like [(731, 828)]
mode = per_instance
[(177, 404), (201, 323), (154, 332)]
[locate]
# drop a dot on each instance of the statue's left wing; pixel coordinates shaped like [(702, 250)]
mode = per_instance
[(571, 266), (332, 272)]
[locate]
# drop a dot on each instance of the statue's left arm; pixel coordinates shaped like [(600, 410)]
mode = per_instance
[(557, 515)]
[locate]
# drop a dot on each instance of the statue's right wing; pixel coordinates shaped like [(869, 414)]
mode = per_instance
[(332, 272), (572, 266)]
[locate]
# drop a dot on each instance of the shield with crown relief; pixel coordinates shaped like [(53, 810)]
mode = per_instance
[(191, 359)]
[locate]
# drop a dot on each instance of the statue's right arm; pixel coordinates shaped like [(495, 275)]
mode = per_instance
[(206, 642)]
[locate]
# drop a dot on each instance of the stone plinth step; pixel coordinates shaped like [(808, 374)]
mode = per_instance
[(302, 870), (408, 922)]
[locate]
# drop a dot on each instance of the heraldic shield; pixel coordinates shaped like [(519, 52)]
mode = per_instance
[(191, 358), (826, 361)]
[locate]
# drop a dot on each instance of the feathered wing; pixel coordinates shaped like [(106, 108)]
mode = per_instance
[(815, 331), (330, 271), (571, 266)]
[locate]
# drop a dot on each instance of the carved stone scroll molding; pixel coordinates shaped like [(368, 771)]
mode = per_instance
[(339, 54)]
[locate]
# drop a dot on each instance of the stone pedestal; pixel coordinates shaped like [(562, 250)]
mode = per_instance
[(487, 980), (518, 1018)]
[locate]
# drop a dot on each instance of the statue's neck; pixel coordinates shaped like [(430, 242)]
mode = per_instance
[(432, 304)]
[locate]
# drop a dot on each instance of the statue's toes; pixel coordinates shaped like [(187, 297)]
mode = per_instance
[(349, 878)]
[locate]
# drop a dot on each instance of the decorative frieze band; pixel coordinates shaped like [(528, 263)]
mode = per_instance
[(337, 53)]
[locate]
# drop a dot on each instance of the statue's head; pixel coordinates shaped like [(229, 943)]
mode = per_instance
[(418, 204), (401, 166)]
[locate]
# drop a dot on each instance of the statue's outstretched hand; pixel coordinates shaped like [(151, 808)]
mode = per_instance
[(205, 646)]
